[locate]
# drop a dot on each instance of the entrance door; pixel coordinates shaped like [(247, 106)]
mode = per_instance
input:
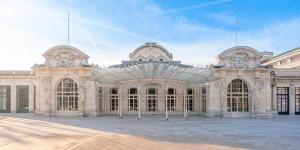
[(283, 100), (297, 107), (22, 98), (152, 100), (4, 98)]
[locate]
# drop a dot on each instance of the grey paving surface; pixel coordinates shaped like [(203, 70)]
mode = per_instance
[(281, 132)]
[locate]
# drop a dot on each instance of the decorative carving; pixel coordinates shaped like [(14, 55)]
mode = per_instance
[(224, 85), (239, 57), (64, 59), (64, 56), (259, 83), (46, 86), (240, 60)]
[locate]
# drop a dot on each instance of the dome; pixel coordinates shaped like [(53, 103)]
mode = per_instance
[(63, 48), (65, 56), (231, 51), (150, 52), (239, 57)]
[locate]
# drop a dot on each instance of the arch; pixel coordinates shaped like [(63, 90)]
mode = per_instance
[(64, 47), (131, 55), (249, 50), (67, 95), (238, 96), (151, 90)]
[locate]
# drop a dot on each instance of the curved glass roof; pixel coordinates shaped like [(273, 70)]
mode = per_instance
[(155, 70)]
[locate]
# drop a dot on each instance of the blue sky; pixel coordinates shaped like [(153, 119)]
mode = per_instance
[(194, 31)]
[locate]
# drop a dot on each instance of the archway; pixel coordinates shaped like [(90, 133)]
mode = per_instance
[(67, 95), (237, 96)]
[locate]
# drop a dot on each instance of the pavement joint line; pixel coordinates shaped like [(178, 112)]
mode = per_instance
[(82, 141)]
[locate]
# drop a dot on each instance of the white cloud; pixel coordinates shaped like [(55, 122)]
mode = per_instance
[(29, 28), (224, 17), (197, 6), (277, 37)]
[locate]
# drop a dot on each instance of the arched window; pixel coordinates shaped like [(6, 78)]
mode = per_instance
[(237, 96), (152, 99), (171, 99), (67, 95)]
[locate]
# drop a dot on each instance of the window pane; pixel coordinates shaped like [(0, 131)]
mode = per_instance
[(237, 96), (67, 95)]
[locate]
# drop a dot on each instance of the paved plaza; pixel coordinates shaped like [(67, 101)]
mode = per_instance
[(151, 132)]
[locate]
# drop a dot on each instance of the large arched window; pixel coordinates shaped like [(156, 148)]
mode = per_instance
[(67, 95), (237, 96)]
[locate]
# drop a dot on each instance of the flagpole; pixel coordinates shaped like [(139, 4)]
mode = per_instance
[(68, 29)]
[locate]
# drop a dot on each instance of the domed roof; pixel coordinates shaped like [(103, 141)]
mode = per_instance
[(250, 50), (65, 56), (151, 50), (61, 48)]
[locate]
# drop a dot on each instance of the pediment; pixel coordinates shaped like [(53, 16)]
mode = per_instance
[(63, 50), (240, 57), (241, 50), (65, 56)]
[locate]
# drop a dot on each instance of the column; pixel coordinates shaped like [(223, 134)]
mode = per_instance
[(166, 107), (13, 100), (139, 106), (31, 98), (292, 100), (184, 105)]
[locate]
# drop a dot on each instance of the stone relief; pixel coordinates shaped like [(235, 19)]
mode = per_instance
[(46, 87), (259, 83), (64, 59), (240, 60)]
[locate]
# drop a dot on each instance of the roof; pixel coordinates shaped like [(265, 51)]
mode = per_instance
[(130, 63), (16, 73), (275, 58), (240, 47), (151, 44), (289, 51), (191, 75), (64, 47)]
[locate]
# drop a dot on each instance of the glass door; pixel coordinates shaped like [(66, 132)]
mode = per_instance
[(22, 98), (151, 99), (4, 98), (283, 100)]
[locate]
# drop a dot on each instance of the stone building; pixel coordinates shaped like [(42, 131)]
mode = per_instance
[(244, 83)]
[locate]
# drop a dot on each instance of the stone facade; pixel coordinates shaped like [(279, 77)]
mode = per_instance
[(242, 84)]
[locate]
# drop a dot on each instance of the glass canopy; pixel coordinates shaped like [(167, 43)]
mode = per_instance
[(155, 70)]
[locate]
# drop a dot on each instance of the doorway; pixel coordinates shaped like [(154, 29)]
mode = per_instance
[(22, 98), (283, 100)]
